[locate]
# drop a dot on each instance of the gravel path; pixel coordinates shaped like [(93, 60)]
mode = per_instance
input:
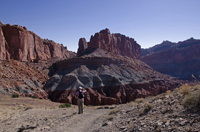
[(28, 119)]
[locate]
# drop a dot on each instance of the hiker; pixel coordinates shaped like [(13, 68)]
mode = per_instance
[(80, 99)]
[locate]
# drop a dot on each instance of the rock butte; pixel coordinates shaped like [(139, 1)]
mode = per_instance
[(111, 74)]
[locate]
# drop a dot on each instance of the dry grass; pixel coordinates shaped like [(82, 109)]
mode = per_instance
[(196, 87), (192, 99), (139, 100), (132, 103), (168, 92), (109, 118), (146, 108), (185, 89), (114, 111)]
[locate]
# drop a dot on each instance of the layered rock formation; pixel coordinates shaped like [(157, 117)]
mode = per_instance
[(115, 43), (107, 77), (176, 59), (24, 45)]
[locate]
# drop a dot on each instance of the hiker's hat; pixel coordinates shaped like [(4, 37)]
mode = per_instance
[(80, 87)]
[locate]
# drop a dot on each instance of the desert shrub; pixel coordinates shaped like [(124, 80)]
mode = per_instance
[(146, 108), (192, 100), (15, 95), (185, 89), (34, 96), (196, 86), (168, 92), (139, 100), (113, 111), (110, 118), (65, 105)]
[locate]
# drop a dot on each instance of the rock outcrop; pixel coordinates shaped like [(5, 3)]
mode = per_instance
[(19, 50), (177, 59), (108, 78), (24, 45), (115, 43), (3, 52)]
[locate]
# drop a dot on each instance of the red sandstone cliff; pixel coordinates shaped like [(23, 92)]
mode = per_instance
[(3, 45), (115, 43), (24, 45), (20, 75)]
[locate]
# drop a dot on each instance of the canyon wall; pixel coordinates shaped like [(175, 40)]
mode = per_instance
[(23, 45)]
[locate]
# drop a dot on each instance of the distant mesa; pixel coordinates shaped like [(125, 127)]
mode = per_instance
[(175, 59)]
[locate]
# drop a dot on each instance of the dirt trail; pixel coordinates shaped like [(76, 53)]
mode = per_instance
[(52, 120), (33, 115)]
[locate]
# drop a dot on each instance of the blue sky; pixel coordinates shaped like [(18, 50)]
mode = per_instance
[(149, 22)]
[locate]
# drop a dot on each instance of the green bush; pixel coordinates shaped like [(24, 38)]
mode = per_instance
[(65, 105), (34, 96), (15, 95)]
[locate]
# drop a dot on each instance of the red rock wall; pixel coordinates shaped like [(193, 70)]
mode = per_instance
[(24, 45), (116, 94), (2, 45), (116, 43)]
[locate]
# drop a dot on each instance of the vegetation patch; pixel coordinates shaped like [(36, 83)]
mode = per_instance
[(185, 89), (15, 95), (139, 100), (34, 97), (146, 108), (168, 92), (109, 118), (114, 111), (192, 100), (65, 105)]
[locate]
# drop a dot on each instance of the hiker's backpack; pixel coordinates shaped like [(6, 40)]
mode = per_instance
[(81, 95)]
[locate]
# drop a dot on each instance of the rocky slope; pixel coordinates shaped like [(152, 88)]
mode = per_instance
[(167, 112), (24, 79), (109, 77), (175, 59)]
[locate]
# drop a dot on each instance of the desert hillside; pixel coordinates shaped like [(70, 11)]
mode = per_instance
[(176, 110)]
